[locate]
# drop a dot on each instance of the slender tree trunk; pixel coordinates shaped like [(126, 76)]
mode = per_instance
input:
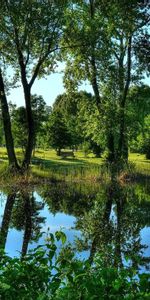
[(6, 219), (123, 141), (7, 126), (27, 95), (58, 151), (31, 133), (148, 152), (111, 147), (124, 89), (94, 83)]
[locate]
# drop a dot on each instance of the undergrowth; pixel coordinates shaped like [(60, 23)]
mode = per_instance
[(48, 273)]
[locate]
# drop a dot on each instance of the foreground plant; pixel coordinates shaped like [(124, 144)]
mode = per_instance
[(48, 273)]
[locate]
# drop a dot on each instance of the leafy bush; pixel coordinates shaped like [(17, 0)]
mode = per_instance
[(47, 273)]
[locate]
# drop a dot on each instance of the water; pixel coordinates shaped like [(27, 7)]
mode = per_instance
[(111, 219)]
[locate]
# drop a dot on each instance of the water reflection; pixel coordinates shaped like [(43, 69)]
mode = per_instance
[(109, 219), (22, 213), (113, 226)]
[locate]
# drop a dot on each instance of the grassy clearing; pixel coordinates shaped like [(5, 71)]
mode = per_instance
[(142, 165), (46, 165)]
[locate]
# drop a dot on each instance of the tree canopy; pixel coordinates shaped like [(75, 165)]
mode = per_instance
[(105, 43)]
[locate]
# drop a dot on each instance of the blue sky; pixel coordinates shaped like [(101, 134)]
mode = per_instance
[(49, 88)]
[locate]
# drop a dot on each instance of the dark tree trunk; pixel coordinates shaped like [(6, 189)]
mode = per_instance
[(7, 127), (123, 141), (95, 84), (59, 152), (6, 219), (148, 153), (111, 148), (30, 120), (27, 95)]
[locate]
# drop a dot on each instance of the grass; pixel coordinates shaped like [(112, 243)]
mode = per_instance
[(142, 165), (46, 165)]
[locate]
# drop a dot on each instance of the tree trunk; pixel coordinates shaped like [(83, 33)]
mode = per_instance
[(123, 141), (148, 153), (31, 134), (7, 127), (27, 95), (111, 148), (58, 152)]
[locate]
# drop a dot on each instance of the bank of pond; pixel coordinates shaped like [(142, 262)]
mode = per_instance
[(94, 236)]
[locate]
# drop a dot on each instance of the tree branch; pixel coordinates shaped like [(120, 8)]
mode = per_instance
[(128, 79)]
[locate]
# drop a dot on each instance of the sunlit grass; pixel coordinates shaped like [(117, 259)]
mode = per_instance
[(46, 165), (79, 157), (142, 165)]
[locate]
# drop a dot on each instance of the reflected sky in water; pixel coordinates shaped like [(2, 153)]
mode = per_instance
[(97, 217)]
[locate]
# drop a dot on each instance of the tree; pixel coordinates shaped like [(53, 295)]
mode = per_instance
[(19, 121), (1, 130), (144, 138), (40, 115), (30, 34), (19, 127), (13, 164), (81, 115), (106, 34), (25, 217), (58, 133), (68, 105), (138, 109)]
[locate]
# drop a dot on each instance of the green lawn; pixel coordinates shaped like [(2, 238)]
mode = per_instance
[(46, 164)]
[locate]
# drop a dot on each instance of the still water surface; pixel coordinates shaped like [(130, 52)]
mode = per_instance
[(112, 219)]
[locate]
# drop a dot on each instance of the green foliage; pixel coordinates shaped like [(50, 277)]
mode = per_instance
[(106, 58), (58, 133), (48, 274), (144, 138), (20, 125)]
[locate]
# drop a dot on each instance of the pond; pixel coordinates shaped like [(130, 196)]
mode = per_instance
[(112, 219)]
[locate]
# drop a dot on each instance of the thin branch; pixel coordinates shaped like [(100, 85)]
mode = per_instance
[(42, 59)]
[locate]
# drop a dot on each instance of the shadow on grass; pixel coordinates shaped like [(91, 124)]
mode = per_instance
[(62, 163), (3, 158), (145, 161)]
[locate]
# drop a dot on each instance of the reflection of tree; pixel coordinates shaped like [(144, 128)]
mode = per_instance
[(6, 219), (26, 216), (27, 224), (112, 227), (110, 218), (73, 199), (22, 212)]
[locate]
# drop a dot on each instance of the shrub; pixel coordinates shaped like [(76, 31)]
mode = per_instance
[(48, 273)]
